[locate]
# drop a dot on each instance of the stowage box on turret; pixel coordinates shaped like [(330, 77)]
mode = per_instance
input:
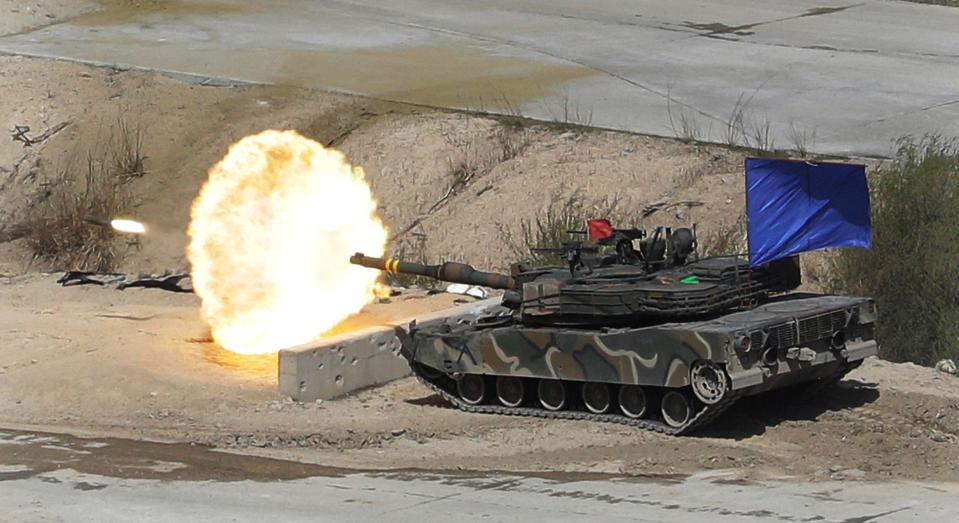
[(644, 336)]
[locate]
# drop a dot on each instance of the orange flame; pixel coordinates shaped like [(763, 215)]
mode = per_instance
[(271, 234)]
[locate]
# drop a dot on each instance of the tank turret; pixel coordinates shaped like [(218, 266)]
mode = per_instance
[(656, 281)]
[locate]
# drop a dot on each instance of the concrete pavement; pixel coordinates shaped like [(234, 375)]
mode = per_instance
[(47, 477), (836, 77)]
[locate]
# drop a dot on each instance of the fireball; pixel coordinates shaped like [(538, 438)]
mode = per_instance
[(271, 234)]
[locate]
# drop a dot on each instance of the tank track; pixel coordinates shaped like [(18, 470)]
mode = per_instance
[(706, 414), (814, 388)]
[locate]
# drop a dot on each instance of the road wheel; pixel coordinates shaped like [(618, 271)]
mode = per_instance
[(510, 391), (709, 382), (552, 394), (632, 401), (596, 397), (676, 409), (472, 388)]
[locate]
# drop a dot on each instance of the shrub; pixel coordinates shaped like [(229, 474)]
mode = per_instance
[(913, 264), (57, 227), (58, 231)]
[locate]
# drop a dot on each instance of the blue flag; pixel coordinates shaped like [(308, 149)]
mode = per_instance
[(798, 206)]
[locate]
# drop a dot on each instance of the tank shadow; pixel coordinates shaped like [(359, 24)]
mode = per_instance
[(431, 400), (753, 415)]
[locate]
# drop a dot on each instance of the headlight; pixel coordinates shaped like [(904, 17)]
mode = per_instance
[(868, 312)]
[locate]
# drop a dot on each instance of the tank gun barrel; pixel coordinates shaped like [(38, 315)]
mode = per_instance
[(449, 271)]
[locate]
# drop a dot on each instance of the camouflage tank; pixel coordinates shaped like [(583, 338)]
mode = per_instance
[(645, 338)]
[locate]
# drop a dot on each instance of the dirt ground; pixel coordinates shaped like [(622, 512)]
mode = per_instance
[(18, 16), (136, 363)]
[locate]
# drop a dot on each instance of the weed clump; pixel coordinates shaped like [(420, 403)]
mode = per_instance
[(911, 269), (413, 250), (58, 231), (556, 224), (57, 228), (726, 240)]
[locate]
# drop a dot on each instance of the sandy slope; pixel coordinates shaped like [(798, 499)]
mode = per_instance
[(18, 16), (406, 152)]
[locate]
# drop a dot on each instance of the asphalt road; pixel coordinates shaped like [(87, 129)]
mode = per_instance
[(46, 477), (839, 77)]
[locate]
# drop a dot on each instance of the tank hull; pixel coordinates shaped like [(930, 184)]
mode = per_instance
[(793, 340)]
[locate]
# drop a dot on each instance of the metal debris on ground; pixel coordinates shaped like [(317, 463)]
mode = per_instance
[(947, 366), (468, 290), (19, 134), (71, 278), (663, 204), (173, 282)]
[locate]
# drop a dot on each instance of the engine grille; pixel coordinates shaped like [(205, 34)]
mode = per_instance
[(782, 335), (802, 331), (821, 326)]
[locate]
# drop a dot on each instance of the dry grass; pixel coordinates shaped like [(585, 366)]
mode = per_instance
[(568, 113), (473, 160), (727, 239), (57, 227), (553, 225), (685, 122), (759, 135), (126, 146), (413, 249), (734, 134), (743, 128), (801, 139), (511, 142), (59, 234)]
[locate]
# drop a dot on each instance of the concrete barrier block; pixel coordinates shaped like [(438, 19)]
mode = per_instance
[(335, 366)]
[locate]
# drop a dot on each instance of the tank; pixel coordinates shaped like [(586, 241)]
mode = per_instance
[(647, 337)]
